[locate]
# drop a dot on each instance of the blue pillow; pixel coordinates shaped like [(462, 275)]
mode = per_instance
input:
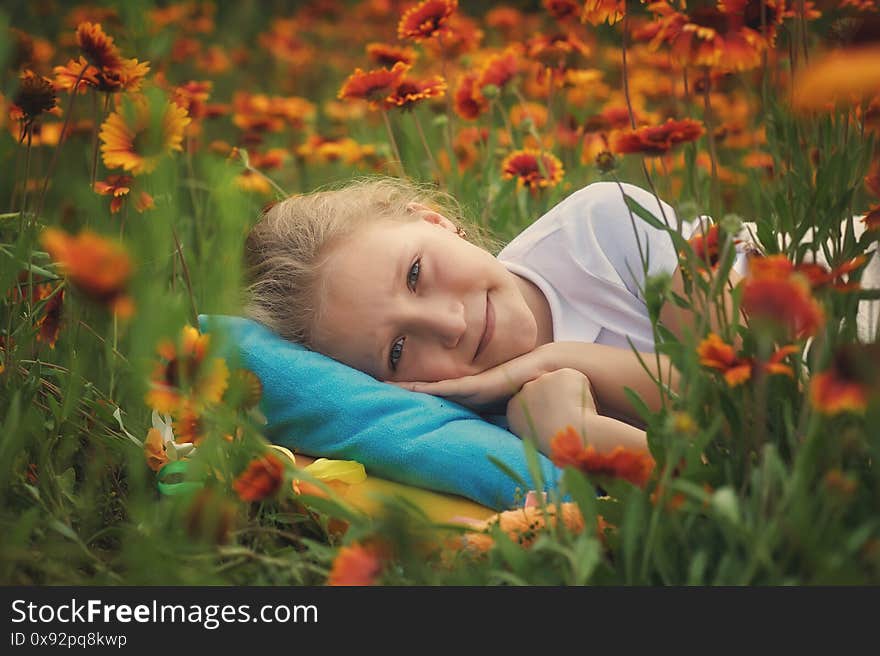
[(321, 407)]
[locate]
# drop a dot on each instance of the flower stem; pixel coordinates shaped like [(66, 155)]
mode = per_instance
[(61, 141), (710, 136), (393, 143), (428, 152), (186, 278)]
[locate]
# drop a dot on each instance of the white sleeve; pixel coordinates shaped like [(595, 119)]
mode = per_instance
[(600, 225)]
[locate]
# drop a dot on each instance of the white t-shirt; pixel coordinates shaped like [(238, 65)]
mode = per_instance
[(583, 255)]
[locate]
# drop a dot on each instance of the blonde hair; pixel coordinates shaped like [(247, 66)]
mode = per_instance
[(286, 249)]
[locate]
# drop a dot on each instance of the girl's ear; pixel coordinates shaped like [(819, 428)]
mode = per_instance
[(429, 215)]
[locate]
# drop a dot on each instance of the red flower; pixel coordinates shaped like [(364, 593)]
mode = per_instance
[(705, 246), (568, 449), (374, 85), (261, 479), (98, 47), (468, 102), (409, 91), (562, 9), (355, 565), (872, 219), (35, 95), (849, 382), (775, 292), (600, 11), (50, 323), (500, 69), (523, 166), (558, 51), (657, 140), (426, 20), (716, 354), (388, 55), (724, 36), (99, 267)]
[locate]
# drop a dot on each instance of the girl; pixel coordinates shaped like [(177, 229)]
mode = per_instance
[(381, 276)]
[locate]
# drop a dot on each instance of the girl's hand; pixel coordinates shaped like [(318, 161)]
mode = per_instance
[(548, 404), (490, 390)]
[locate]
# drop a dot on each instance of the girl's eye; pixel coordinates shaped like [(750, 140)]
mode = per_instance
[(397, 348), (414, 270), (396, 352)]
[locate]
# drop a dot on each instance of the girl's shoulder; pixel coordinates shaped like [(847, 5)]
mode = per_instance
[(596, 214)]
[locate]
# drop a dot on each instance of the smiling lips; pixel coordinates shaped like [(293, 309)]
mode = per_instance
[(488, 328)]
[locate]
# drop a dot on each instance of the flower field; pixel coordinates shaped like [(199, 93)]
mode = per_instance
[(142, 140)]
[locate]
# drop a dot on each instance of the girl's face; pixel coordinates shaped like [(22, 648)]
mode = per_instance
[(411, 302)]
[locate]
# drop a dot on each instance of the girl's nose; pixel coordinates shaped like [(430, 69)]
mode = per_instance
[(446, 320)]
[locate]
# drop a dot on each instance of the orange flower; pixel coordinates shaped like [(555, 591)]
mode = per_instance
[(374, 85), (76, 69), (821, 277), (559, 51), (872, 219), (118, 186), (567, 449), (716, 354), (127, 77), (562, 9), (260, 113), (189, 427), (130, 139), (182, 377), (715, 37), (523, 525), (839, 484), (409, 91), (193, 97), (154, 450), (285, 41), (49, 323), (706, 247), (262, 478), (355, 565), (426, 20), (388, 55), (506, 20), (775, 292), (657, 140), (98, 47), (460, 36), (35, 95), (468, 101), (600, 11), (843, 77), (328, 149), (524, 167), (97, 266), (466, 147), (500, 69), (531, 110), (849, 382)]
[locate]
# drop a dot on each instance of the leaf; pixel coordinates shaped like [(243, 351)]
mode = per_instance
[(66, 482), (586, 557), (347, 471), (644, 214), (583, 493)]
